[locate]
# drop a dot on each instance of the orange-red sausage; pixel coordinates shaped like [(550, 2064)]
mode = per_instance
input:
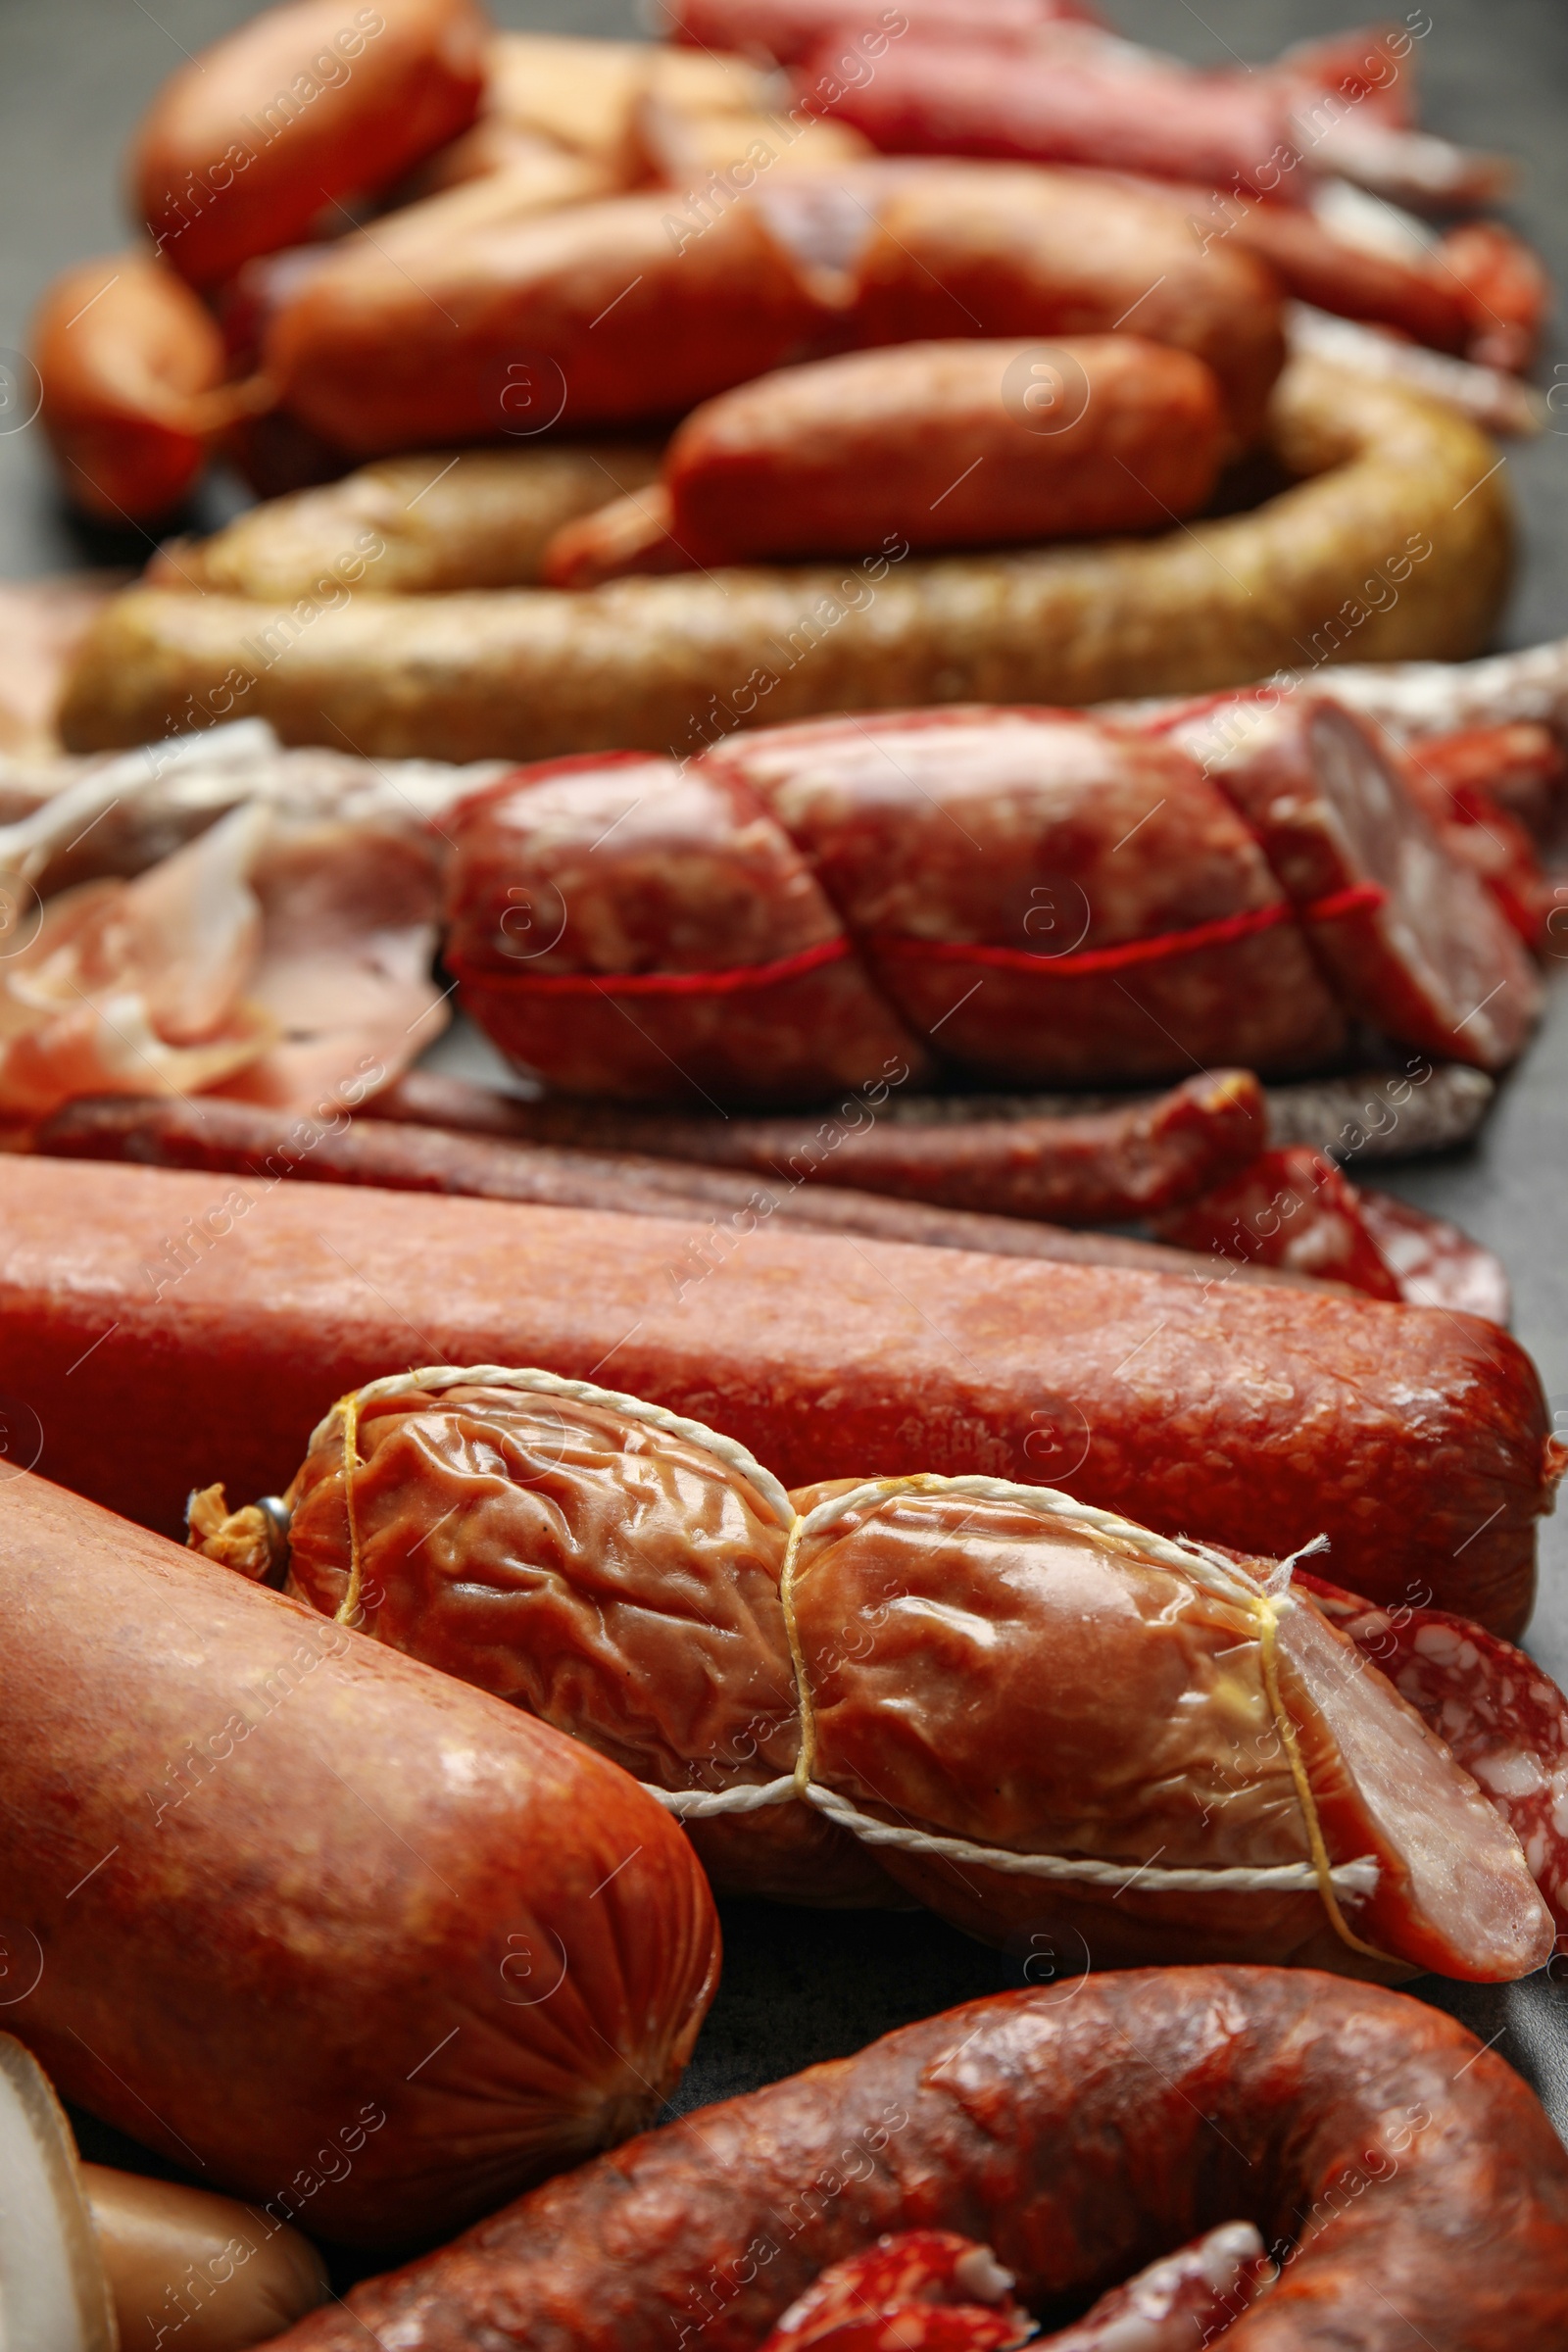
[(131, 366), (937, 444), (246, 145), (328, 1927), (594, 315)]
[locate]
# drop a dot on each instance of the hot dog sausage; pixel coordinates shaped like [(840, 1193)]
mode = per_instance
[(1383, 2156), (215, 1322), (374, 1962), (243, 147), (939, 444), (131, 367), (1402, 490)]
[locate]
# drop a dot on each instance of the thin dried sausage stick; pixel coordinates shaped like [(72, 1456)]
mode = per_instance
[(1104, 1167), (361, 1898), (671, 664), (1379, 2151), (214, 1322), (247, 1140)]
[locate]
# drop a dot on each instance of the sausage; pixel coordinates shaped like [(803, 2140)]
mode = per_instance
[(1517, 765), (1505, 1722), (1103, 1165), (667, 665), (374, 1966), (247, 2278), (1049, 900), (245, 145), (962, 249), (1383, 2156), (785, 29), (1378, 1116), (1498, 403), (627, 929), (1191, 1725), (953, 96), (165, 1330), (246, 1139), (131, 368), (410, 525), (937, 444), (937, 2289), (600, 312), (1505, 289), (1291, 1208), (1475, 826), (1427, 954)]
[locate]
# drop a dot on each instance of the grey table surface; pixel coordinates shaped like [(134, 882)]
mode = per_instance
[(73, 77)]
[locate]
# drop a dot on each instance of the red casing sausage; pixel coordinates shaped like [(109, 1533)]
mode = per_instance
[(1081, 2129), (244, 147), (165, 1330), (320, 1924)]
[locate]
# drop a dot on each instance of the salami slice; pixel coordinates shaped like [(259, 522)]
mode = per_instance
[(914, 2290), (1407, 932), (1503, 1717)]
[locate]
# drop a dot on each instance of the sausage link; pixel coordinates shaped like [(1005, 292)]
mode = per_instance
[(1081, 2131), (130, 366), (937, 444), (247, 144)]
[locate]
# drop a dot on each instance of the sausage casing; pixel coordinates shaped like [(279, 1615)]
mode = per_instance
[(366, 1972)]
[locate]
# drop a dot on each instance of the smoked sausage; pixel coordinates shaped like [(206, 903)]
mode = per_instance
[(383, 1951), (1032, 1714), (165, 1330), (1080, 2129), (131, 368), (1398, 547), (307, 103), (939, 444)]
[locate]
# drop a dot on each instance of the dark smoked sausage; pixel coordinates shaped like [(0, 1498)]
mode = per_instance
[(1405, 2180)]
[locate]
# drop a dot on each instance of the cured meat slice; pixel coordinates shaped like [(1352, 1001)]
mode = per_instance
[(1505, 1719), (1406, 933)]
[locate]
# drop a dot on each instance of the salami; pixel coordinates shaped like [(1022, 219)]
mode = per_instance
[(1044, 899), (383, 1951), (625, 929), (1505, 1720), (165, 1328), (1036, 1716), (1293, 1208), (1423, 952), (1383, 2155)]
